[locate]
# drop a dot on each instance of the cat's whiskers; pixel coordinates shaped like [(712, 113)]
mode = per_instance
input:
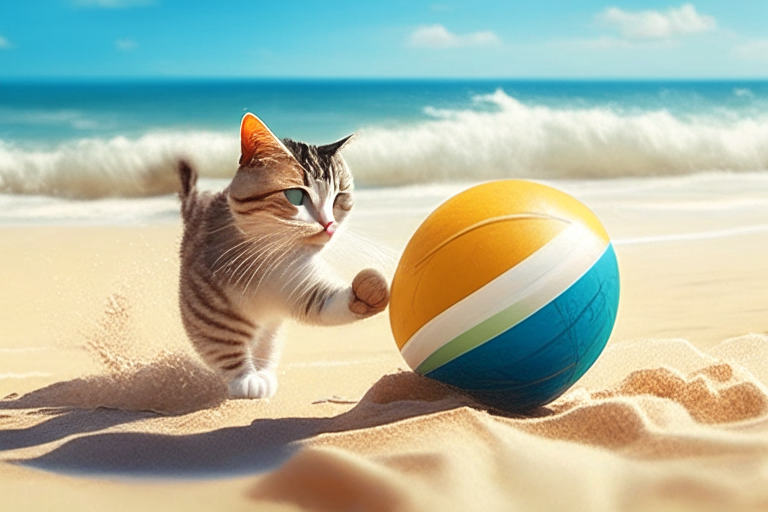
[(304, 288), (244, 252), (254, 255), (307, 280), (259, 259), (248, 241), (253, 245), (367, 247), (267, 272), (272, 251), (353, 251), (228, 262)]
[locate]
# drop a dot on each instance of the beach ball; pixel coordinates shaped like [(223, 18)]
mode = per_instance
[(508, 291)]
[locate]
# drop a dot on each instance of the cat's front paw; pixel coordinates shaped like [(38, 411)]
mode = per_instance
[(370, 293), (258, 384)]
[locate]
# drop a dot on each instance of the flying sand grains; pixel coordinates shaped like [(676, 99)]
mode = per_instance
[(168, 383), (112, 334)]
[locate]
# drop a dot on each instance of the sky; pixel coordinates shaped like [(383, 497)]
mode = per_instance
[(584, 39)]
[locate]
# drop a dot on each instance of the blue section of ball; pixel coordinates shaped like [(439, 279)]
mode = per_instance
[(537, 360)]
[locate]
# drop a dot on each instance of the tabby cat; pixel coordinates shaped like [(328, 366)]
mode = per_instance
[(248, 256)]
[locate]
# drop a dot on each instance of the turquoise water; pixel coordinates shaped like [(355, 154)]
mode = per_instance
[(86, 140), (47, 114)]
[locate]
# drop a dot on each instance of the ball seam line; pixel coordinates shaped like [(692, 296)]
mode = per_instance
[(483, 223)]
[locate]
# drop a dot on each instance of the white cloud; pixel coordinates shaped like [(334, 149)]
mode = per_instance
[(4, 44), (755, 49), (112, 4), (437, 36), (125, 45), (655, 24)]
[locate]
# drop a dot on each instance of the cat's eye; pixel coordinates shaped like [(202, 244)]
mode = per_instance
[(295, 196)]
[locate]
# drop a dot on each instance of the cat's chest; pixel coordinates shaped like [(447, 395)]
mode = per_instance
[(266, 306)]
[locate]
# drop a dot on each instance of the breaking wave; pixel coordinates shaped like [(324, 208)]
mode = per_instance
[(118, 167), (517, 140), (501, 138)]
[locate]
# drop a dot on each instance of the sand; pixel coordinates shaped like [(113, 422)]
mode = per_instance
[(107, 408)]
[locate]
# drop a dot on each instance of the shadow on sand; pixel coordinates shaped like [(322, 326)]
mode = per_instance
[(262, 445)]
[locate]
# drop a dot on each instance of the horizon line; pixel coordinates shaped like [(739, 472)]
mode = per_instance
[(170, 78)]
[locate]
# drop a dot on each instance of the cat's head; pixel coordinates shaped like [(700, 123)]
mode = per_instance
[(282, 186)]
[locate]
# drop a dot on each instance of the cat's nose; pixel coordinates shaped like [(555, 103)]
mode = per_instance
[(330, 228)]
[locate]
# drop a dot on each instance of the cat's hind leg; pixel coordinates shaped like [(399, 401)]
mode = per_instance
[(225, 340), (260, 381), (254, 384)]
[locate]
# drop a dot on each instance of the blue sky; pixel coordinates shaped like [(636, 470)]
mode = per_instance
[(472, 39)]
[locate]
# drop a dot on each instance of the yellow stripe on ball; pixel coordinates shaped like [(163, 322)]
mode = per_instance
[(465, 244)]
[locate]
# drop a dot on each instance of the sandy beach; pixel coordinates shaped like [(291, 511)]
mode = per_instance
[(107, 407)]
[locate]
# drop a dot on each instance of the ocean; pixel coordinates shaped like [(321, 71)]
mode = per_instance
[(105, 151)]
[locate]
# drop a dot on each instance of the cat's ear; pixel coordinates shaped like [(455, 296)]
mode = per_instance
[(335, 147), (257, 141)]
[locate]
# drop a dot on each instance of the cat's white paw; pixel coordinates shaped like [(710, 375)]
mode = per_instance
[(258, 384)]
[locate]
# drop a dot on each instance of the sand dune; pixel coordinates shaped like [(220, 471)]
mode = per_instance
[(657, 440)]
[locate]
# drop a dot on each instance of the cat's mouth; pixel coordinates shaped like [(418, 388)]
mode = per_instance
[(321, 237)]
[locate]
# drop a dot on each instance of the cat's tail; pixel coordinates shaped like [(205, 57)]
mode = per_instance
[(188, 191)]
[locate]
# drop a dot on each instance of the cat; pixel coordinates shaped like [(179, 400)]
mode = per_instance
[(249, 256)]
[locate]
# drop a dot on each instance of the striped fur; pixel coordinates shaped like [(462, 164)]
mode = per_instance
[(248, 257)]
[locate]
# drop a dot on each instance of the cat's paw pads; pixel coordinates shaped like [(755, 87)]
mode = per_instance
[(370, 293), (259, 384)]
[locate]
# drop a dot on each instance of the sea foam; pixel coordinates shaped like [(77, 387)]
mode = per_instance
[(117, 167), (500, 138), (516, 140)]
